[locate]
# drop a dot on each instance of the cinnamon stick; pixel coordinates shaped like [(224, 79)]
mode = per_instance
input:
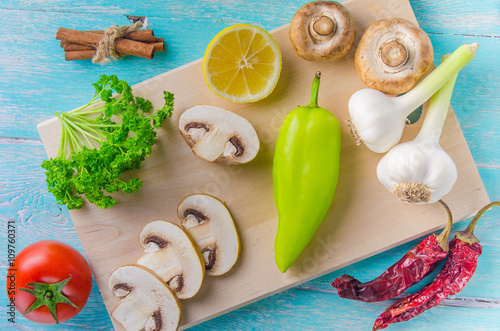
[(159, 45), (146, 36), (73, 52), (124, 46), (137, 35), (68, 46), (78, 55)]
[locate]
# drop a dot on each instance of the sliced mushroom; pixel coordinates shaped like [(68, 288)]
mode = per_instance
[(173, 256), (392, 55), (147, 303), (211, 225), (322, 31), (215, 134)]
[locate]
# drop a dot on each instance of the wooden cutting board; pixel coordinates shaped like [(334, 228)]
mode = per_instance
[(363, 220)]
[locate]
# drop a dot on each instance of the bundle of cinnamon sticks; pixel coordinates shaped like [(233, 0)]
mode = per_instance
[(81, 45)]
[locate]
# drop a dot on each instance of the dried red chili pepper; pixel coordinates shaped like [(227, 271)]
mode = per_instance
[(417, 263), (457, 271)]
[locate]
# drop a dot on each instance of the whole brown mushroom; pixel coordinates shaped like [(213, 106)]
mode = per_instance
[(322, 31), (392, 55)]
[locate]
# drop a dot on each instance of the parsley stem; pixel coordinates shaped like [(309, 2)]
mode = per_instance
[(74, 142), (62, 144), (85, 131), (91, 111), (93, 101)]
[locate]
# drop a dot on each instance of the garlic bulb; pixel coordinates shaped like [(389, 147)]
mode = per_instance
[(381, 126), (420, 171), (378, 120)]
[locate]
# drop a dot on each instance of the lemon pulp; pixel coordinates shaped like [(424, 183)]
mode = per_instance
[(242, 63)]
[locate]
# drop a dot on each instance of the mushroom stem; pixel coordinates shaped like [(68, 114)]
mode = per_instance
[(164, 265), (394, 53), (148, 304), (216, 237), (218, 135), (322, 31), (324, 26), (179, 264)]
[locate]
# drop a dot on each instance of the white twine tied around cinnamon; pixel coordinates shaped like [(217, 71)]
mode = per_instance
[(106, 49)]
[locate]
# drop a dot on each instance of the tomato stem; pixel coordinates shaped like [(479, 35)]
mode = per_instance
[(48, 295)]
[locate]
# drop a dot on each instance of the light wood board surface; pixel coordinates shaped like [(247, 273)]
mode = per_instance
[(364, 218)]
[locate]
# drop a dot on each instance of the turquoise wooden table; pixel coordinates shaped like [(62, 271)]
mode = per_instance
[(35, 81)]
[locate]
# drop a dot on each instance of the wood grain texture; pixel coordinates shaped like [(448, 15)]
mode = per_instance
[(34, 83)]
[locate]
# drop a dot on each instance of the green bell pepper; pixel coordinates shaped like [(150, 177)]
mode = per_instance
[(305, 175)]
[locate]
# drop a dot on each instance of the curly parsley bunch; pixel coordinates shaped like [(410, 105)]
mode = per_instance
[(99, 143)]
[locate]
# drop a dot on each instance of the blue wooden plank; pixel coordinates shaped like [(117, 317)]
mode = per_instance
[(465, 17), (35, 81), (458, 17), (45, 82), (25, 201), (476, 105), (303, 310)]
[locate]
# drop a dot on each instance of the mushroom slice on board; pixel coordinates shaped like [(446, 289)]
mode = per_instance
[(215, 134), (173, 256), (211, 225), (392, 55), (147, 303), (322, 31)]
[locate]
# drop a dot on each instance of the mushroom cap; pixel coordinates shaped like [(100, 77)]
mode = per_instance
[(173, 255), (322, 31), (211, 225), (392, 55), (146, 301), (217, 135)]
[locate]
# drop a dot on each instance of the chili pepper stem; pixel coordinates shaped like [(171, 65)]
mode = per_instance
[(442, 238), (314, 90), (467, 235)]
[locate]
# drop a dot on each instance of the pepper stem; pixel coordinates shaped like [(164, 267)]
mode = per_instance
[(442, 239), (467, 235), (315, 90)]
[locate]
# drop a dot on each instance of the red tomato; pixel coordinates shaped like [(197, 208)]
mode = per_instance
[(49, 261)]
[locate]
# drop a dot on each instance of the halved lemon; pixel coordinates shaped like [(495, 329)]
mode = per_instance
[(242, 63)]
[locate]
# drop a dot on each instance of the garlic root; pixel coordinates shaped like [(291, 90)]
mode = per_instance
[(412, 192)]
